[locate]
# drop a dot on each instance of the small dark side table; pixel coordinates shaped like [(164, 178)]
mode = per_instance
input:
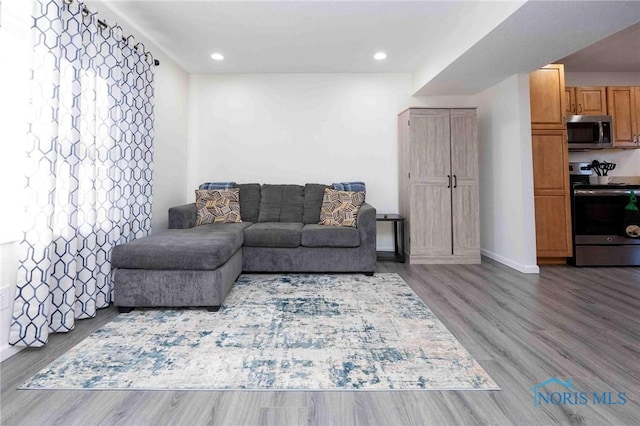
[(398, 229)]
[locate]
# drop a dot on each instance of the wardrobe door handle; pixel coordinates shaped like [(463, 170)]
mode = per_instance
[(455, 181), (449, 184)]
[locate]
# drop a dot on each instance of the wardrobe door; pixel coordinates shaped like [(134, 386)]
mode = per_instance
[(430, 181), (464, 167)]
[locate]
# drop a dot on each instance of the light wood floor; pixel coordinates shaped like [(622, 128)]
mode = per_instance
[(577, 323)]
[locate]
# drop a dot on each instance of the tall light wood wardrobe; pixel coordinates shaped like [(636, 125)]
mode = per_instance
[(438, 178)]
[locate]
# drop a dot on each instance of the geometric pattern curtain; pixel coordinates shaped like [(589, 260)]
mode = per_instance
[(89, 167)]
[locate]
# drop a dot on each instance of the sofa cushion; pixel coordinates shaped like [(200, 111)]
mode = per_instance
[(222, 227), (180, 249), (281, 203), (217, 206), (249, 201), (329, 236), (340, 208), (313, 193), (273, 234)]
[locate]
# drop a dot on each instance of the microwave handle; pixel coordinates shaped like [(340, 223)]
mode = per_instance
[(601, 140)]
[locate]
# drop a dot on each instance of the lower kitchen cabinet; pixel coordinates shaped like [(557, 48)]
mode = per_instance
[(553, 219), (551, 195)]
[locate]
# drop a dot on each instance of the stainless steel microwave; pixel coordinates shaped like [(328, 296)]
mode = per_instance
[(589, 132)]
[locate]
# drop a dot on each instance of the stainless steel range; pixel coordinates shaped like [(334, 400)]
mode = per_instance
[(598, 223)]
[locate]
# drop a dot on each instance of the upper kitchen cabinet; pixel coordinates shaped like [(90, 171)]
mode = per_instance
[(591, 101), (623, 104), (570, 100), (548, 98)]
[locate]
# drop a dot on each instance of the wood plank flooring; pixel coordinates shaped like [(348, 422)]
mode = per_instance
[(577, 323)]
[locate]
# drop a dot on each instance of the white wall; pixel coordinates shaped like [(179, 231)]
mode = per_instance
[(627, 161), (15, 43), (299, 128), (507, 217), (444, 101), (170, 142), (8, 276), (469, 27)]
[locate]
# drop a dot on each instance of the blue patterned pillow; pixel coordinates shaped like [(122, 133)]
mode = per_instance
[(217, 185), (350, 186)]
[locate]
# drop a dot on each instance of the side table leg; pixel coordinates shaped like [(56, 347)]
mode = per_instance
[(401, 247)]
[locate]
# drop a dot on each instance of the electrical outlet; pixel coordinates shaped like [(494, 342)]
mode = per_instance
[(5, 301)]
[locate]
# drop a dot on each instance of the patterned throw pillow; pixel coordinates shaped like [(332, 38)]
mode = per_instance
[(217, 206), (340, 208)]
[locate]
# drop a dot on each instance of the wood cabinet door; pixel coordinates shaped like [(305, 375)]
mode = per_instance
[(553, 226), (621, 106), (430, 169), (636, 131), (430, 151), (548, 98), (591, 100), (430, 227), (404, 144), (465, 219), (550, 162), (551, 193), (464, 168), (570, 100)]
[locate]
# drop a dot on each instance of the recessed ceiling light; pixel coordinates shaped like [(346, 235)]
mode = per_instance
[(217, 56), (380, 56)]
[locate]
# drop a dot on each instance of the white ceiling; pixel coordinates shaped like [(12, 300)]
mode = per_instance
[(619, 52), (450, 47), (309, 36)]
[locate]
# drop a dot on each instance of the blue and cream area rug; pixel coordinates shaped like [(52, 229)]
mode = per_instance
[(284, 332)]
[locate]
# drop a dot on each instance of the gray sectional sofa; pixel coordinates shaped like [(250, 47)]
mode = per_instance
[(192, 265)]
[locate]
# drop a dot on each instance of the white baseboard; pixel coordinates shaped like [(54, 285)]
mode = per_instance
[(8, 351), (525, 269)]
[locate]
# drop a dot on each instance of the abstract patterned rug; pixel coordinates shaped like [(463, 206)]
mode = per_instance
[(307, 332)]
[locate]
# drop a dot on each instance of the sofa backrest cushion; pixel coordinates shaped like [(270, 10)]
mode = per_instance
[(313, 193), (281, 203), (249, 201)]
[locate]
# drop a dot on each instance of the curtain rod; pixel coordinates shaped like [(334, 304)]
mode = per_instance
[(103, 25)]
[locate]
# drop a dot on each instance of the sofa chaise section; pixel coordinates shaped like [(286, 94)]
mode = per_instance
[(178, 268)]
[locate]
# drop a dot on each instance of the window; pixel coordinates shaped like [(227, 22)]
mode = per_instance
[(15, 47)]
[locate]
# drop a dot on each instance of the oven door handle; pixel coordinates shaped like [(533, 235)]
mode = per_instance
[(601, 192)]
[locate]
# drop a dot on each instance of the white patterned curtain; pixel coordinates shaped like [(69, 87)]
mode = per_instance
[(89, 166)]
